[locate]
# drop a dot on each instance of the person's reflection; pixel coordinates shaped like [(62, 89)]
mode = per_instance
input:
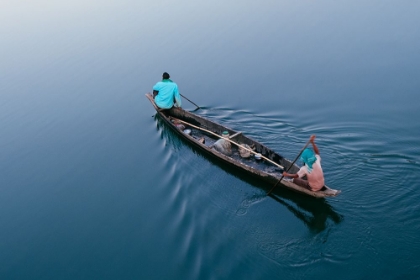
[(315, 213)]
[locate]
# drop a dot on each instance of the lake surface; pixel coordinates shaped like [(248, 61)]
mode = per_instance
[(94, 186)]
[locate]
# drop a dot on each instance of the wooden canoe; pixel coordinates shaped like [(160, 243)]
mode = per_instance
[(269, 169)]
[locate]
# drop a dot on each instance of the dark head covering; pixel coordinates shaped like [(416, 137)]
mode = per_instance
[(165, 76)]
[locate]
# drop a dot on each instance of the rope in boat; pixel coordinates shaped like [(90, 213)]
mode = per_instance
[(233, 142)]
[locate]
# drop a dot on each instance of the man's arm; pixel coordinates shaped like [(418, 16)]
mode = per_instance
[(285, 174), (177, 98), (316, 150), (156, 89)]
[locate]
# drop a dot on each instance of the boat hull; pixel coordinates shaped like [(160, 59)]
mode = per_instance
[(269, 169)]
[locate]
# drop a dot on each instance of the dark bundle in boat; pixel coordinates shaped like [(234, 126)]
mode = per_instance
[(245, 154)]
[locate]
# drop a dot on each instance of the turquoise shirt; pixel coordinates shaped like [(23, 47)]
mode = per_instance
[(168, 95)]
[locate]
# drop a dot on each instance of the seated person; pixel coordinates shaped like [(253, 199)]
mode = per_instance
[(312, 169), (166, 93)]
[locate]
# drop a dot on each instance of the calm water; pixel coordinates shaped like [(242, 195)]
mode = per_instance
[(93, 186)]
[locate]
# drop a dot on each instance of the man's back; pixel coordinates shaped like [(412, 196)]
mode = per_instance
[(168, 94)]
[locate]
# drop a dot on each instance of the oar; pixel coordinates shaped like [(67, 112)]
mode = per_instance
[(233, 142), (198, 107), (281, 178)]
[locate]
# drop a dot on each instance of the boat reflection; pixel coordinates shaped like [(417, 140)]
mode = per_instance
[(316, 214)]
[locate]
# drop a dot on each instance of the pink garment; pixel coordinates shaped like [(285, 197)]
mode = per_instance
[(316, 177)]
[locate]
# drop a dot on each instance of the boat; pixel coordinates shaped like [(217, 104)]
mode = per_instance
[(263, 162)]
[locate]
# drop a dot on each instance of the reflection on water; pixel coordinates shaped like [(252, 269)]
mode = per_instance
[(166, 133), (314, 213)]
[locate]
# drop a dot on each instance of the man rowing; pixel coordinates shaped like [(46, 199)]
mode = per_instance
[(166, 93), (312, 169)]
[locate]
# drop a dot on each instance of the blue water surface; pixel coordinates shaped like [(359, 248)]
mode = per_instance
[(94, 186)]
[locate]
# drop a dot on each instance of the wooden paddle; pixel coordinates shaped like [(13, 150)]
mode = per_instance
[(198, 107), (233, 142), (281, 178)]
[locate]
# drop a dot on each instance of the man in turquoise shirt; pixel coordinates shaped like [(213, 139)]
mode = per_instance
[(166, 93)]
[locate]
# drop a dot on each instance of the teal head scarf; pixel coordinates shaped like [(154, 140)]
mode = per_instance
[(308, 157)]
